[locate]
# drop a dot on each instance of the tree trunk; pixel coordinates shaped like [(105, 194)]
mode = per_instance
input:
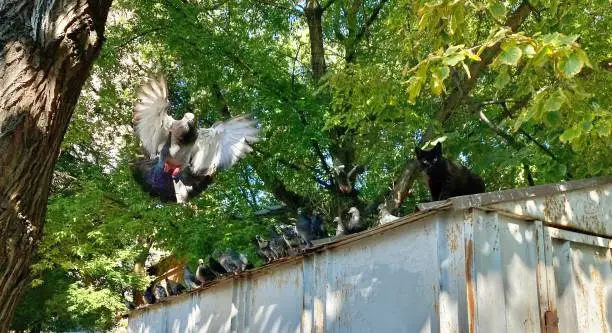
[(46, 51), (314, 17)]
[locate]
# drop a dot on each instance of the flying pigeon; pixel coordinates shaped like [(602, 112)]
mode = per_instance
[(384, 216), (232, 261), (355, 224), (189, 155), (190, 280), (277, 243), (264, 248), (204, 273)]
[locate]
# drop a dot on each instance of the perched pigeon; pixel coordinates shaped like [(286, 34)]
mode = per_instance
[(292, 239), (149, 296), (340, 229), (277, 243), (304, 228), (160, 292), (192, 155), (174, 288), (216, 267), (264, 249), (232, 261), (204, 273), (317, 225), (128, 300), (290, 235), (190, 280), (355, 224), (384, 216)]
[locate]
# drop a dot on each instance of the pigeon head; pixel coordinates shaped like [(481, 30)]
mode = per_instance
[(200, 261), (261, 242), (354, 211), (300, 211)]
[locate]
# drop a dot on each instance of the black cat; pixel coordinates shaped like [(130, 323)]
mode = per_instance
[(445, 178)]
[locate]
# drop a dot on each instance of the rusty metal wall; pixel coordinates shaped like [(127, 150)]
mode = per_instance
[(451, 270)]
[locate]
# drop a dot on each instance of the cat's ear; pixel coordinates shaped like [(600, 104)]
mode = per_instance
[(438, 148), (418, 152)]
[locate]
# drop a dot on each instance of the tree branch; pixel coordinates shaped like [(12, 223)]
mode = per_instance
[(370, 21), (396, 195), (327, 4)]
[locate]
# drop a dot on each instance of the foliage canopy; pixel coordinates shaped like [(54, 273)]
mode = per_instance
[(514, 88)]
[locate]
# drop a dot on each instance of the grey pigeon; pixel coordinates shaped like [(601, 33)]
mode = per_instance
[(160, 292), (204, 273), (128, 300), (303, 226), (264, 248), (149, 296), (355, 224), (201, 152), (318, 227), (277, 243), (292, 239), (384, 216), (216, 267), (232, 261), (290, 235), (174, 288), (191, 281), (340, 229)]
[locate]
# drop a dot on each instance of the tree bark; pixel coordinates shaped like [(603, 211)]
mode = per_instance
[(314, 17), (46, 51)]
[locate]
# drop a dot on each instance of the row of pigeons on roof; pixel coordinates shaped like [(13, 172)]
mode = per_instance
[(282, 241)]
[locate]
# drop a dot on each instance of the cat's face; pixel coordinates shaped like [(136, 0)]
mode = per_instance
[(430, 160)]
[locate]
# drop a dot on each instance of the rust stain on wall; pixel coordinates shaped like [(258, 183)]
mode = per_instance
[(469, 279)]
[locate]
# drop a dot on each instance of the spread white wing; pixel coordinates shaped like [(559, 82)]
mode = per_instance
[(222, 145), (151, 119)]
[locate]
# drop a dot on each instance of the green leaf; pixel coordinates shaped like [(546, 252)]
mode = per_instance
[(603, 129), (501, 80), (471, 55), (554, 103), (572, 65), (498, 10), (552, 118), (529, 51), (586, 126), (583, 56), (511, 55), (454, 59), (569, 135)]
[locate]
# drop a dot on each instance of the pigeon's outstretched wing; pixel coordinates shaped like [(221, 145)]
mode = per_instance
[(222, 145), (151, 120)]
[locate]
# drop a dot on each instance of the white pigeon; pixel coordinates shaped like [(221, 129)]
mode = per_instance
[(384, 216)]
